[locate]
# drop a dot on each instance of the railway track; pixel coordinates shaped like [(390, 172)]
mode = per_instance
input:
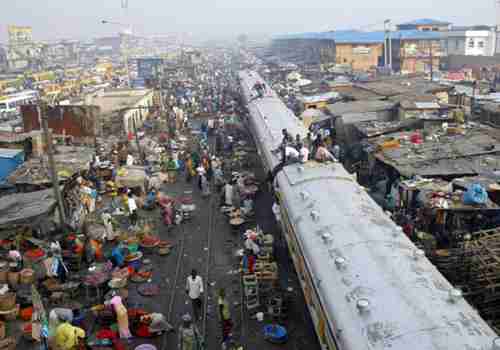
[(192, 248)]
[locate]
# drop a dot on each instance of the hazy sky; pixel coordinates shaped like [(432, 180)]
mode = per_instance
[(52, 19)]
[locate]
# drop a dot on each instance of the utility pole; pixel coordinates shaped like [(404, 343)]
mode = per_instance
[(143, 156), (432, 59), (43, 116), (387, 44)]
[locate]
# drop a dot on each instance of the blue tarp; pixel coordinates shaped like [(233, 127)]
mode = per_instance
[(10, 159)]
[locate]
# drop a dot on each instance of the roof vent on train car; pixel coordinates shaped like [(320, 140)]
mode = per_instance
[(327, 237), (418, 254), (363, 305), (304, 195), (454, 295), (340, 262), (496, 344), (314, 215)]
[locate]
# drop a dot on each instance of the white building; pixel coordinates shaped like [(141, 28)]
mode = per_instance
[(472, 41), (132, 106)]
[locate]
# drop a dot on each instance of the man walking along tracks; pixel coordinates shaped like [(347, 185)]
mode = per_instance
[(194, 288)]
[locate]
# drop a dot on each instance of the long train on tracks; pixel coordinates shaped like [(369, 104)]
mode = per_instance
[(365, 283)]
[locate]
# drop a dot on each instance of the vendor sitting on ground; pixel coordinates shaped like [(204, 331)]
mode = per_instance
[(117, 256), (150, 325), (171, 167), (68, 337), (58, 316), (150, 202)]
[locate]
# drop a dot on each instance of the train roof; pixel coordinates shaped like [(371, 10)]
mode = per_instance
[(248, 79), (268, 117), (378, 290)]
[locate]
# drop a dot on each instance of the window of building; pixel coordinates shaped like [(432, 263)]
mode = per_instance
[(480, 44), (457, 44), (471, 43)]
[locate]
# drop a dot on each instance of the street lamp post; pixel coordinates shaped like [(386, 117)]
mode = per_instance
[(126, 31), (388, 43)]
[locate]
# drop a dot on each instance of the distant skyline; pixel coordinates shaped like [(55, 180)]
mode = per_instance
[(58, 19)]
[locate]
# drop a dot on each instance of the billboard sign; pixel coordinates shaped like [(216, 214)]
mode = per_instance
[(148, 67)]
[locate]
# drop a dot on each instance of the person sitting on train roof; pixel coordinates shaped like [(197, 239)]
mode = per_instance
[(323, 154), (291, 154)]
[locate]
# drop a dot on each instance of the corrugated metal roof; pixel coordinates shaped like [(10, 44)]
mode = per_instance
[(360, 37), (342, 108), (9, 153), (425, 22)]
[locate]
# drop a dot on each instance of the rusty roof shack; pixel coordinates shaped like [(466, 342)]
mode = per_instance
[(346, 114), (374, 128), (405, 86), (456, 152), (80, 122)]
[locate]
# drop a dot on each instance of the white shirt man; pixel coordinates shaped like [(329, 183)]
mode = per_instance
[(194, 288), (132, 205)]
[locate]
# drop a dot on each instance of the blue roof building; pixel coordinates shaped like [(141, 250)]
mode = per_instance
[(425, 24)]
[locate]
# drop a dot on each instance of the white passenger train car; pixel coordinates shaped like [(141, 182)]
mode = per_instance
[(365, 283)]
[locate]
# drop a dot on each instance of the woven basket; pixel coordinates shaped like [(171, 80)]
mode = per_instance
[(7, 301)]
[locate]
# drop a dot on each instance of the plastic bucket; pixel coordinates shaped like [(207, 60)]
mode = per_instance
[(133, 247), (7, 301), (136, 264), (146, 347)]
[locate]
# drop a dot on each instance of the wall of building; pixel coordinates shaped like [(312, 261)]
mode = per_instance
[(305, 50), (78, 121), (417, 55), (471, 43), (361, 57), (140, 114)]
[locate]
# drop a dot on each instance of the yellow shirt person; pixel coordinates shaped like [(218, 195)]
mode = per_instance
[(67, 336)]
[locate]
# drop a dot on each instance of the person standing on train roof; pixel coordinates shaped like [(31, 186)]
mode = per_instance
[(297, 142), (287, 138), (304, 153)]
